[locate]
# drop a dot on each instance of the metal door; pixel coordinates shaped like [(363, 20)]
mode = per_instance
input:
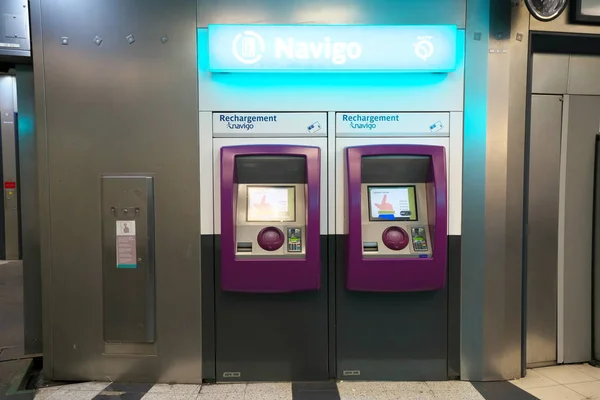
[(541, 256)]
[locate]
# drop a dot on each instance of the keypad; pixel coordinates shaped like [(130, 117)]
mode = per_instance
[(419, 239)]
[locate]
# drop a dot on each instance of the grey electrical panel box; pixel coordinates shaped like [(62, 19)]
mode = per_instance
[(14, 29), (128, 259)]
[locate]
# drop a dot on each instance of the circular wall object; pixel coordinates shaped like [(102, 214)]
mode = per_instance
[(270, 238), (546, 10), (395, 238)]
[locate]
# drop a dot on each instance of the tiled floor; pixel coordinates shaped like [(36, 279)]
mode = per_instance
[(451, 390), (562, 382)]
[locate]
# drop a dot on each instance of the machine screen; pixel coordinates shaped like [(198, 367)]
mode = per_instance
[(392, 203), (271, 203)]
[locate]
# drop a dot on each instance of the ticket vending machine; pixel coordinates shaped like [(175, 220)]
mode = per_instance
[(397, 218), (391, 299), (270, 216), (270, 318)]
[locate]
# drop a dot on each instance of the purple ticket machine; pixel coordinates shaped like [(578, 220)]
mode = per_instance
[(270, 218), (397, 218)]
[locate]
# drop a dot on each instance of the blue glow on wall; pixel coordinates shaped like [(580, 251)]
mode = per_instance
[(332, 48)]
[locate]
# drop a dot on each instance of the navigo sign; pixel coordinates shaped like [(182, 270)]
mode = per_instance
[(248, 48), (328, 48)]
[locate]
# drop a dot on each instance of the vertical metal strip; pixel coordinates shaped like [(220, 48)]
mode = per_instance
[(562, 195), (44, 187), (331, 184), (473, 212)]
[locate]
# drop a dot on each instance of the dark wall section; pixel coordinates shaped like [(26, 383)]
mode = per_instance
[(435, 346), (207, 261), (454, 271), (398, 336), (267, 336)]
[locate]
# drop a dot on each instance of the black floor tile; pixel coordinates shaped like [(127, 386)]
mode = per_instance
[(129, 387), (315, 391), (501, 391), (122, 396)]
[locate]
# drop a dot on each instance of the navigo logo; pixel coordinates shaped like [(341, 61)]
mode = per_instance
[(424, 48), (249, 47)]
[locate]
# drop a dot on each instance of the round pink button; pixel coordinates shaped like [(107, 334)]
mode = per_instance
[(270, 238), (395, 238)]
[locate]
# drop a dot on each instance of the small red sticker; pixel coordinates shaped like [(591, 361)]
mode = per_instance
[(10, 185)]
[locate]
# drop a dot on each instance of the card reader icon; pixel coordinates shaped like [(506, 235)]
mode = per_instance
[(438, 126), (315, 127)]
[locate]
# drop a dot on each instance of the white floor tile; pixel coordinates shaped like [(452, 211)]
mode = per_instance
[(588, 389), (223, 388), (275, 391), (73, 395), (220, 396), (565, 374), (175, 389), (555, 393), (365, 396), (86, 386), (589, 370), (454, 390), (168, 396), (533, 379), (45, 393), (426, 395)]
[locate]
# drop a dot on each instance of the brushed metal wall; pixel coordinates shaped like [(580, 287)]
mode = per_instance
[(14, 25), (113, 98), (378, 12), (30, 226), (8, 109), (581, 129), (493, 190), (542, 236)]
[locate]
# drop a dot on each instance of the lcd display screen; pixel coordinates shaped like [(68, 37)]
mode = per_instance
[(392, 203), (271, 203)]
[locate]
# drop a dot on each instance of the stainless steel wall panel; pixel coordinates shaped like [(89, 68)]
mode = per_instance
[(542, 232), (30, 225), (117, 108), (14, 29), (128, 270), (41, 140), (492, 193), (9, 168), (584, 75), (377, 12), (473, 214), (584, 119), (596, 257), (550, 73)]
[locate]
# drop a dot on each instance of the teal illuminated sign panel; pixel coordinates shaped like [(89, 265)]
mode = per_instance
[(332, 48)]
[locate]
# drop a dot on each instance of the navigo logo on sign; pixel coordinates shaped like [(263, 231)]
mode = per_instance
[(249, 48), (294, 48)]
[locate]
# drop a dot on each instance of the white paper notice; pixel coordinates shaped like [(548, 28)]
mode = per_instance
[(126, 252)]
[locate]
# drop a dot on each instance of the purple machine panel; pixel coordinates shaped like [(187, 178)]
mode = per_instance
[(398, 274), (265, 275)]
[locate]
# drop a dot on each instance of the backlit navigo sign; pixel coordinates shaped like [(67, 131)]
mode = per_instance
[(328, 48)]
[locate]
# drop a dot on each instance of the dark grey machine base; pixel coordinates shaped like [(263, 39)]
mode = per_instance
[(390, 336), (269, 337), (316, 336)]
